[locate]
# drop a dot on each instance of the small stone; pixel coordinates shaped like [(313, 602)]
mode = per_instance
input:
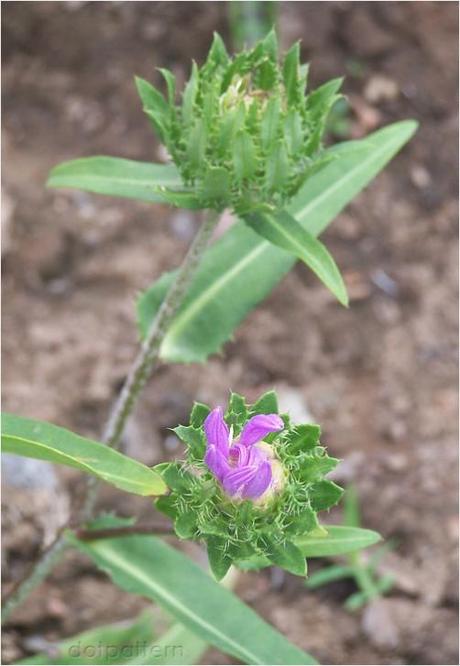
[(380, 89), (420, 177), (291, 401), (379, 626)]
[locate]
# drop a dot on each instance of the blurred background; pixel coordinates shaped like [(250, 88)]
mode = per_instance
[(380, 377)]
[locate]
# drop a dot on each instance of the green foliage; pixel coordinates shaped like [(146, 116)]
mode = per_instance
[(36, 439), (109, 644), (240, 269), (362, 571), (147, 566), (125, 643), (114, 176), (246, 131), (283, 230), (338, 540), (237, 531)]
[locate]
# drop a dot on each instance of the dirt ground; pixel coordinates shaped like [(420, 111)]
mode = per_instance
[(380, 377)]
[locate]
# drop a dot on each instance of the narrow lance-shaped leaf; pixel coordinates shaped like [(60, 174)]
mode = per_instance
[(291, 72), (107, 644), (147, 566), (283, 230), (178, 646), (240, 269), (338, 541), (118, 177), (155, 106), (170, 84), (330, 541), (37, 439)]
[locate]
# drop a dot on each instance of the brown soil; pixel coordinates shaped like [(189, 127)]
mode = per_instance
[(380, 377)]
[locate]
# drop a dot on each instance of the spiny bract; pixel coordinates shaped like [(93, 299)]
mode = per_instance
[(261, 530), (246, 132)]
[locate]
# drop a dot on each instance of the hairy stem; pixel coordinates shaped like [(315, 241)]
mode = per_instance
[(47, 561), (137, 378)]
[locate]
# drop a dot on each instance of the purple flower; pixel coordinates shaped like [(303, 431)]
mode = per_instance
[(246, 467)]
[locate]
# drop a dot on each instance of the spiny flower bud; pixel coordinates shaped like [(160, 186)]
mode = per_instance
[(250, 485), (246, 132)]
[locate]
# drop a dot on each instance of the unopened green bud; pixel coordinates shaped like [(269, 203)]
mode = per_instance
[(246, 133)]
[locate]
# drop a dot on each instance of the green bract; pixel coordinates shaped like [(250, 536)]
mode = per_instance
[(246, 131), (246, 533)]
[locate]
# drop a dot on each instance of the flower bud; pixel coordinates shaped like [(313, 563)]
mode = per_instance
[(246, 132), (251, 484)]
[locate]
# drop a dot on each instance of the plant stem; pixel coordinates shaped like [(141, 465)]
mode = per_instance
[(149, 352), (48, 559), (137, 377)]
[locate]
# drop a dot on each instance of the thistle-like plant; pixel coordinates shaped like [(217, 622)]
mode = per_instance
[(250, 486), (246, 134)]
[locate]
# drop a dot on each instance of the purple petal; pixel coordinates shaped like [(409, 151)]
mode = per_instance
[(259, 484), (235, 480), (217, 430), (239, 455), (259, 427), (216, 461)]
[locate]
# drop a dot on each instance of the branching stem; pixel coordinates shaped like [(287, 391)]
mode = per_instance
[(137, 377)]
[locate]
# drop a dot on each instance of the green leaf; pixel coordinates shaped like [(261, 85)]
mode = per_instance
[(291, 73), (315, 466), (118, 177), (216, 185), (193, 438), (155, 106), (293, 133), (287, 556), (320, 100), (198, 414), (277, 167), (359, 599), (237, 412), (217, 53), (152, 98), (269, 128), (304, 523), (178, 646), (148, 567), (266, 404), (109, 644), (167, 505), (304, 437), (283, 230), (339, 540), (197, 143), (170, 84), (244, 157), (219, 559), (37, 439), (181, 199), (324, 494), (175, 476), (185, 525), (189, 96), (225, 288), (270, 45), (329, 575)]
